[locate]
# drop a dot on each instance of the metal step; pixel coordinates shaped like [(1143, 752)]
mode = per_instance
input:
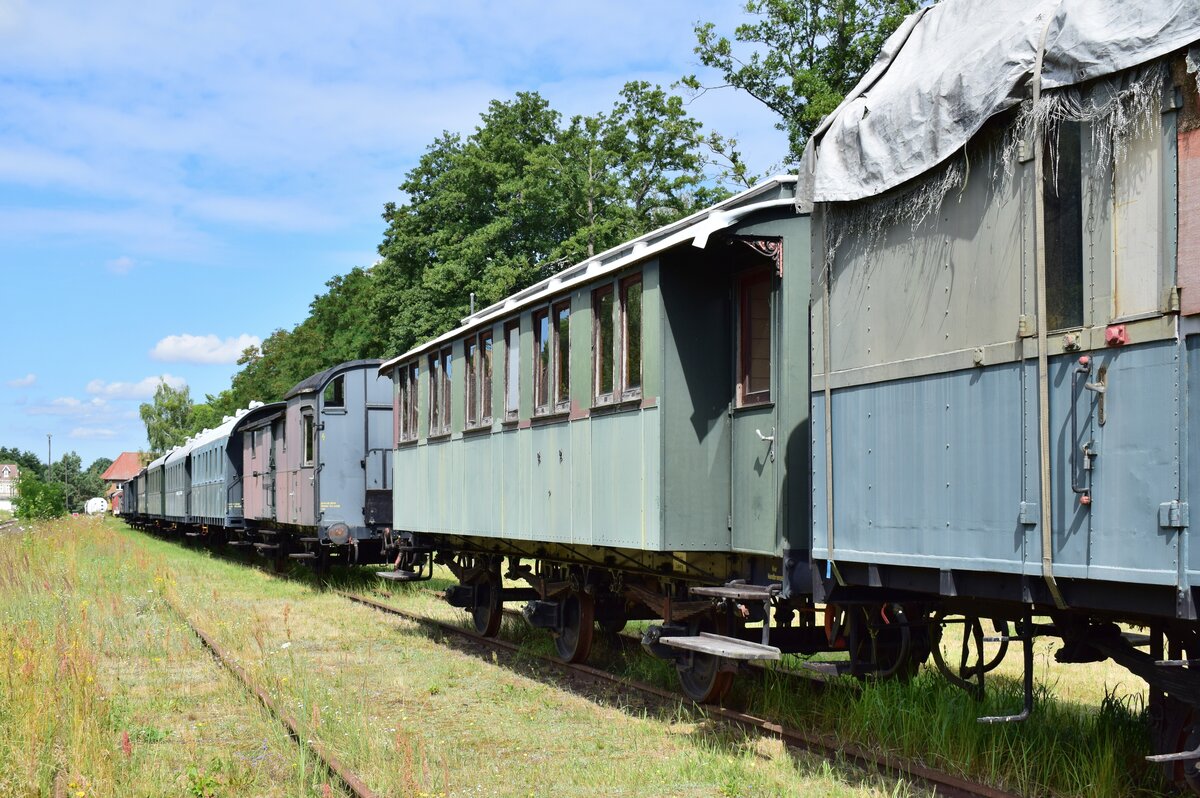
[(399, 576), (310, 540), (263, 548), (738, 591), (721, 646), (302, 555), (238, 543), (192, 534)]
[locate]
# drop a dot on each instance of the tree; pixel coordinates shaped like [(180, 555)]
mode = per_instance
[(525, 195), (38, 500), (806, 55), (25, 461), (99, 466), (75, 484), (167, 417)]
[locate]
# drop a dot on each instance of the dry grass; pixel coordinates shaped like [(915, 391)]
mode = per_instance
[(105, 694)]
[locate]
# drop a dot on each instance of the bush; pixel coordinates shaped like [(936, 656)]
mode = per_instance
[(38, 500)]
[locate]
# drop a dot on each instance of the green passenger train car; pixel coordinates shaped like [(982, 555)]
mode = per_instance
[(625, 427)]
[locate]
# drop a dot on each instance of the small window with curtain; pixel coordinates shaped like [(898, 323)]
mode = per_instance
[(512, 370), (754, 338)]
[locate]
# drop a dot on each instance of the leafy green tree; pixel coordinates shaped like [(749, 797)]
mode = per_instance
[(24, 461), (38, 500), (99, 465), (797, 57), (167, 417), (525, 195), (76, 484)]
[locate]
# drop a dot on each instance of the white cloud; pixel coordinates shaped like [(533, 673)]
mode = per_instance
[(143, 389), (121, 265), (93, 432), (23, 382), (202, 348), (70, 406)]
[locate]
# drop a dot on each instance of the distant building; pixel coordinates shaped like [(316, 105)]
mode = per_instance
[(125, 467), (9, 474)]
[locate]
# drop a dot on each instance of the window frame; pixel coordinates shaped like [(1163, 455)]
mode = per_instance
[(308, 440), (334, 394), (477, 351), (630, 392), (471, 381), (560, 388), (618, 292), (600, 397), (406, 410), (543, 361), (744, 397), (440, 386), (512, 370), (486, 378)]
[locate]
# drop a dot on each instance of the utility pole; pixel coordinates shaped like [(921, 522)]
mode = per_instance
[(49, 459)]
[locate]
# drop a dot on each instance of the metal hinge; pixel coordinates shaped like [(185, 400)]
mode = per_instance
[(1173, 515)]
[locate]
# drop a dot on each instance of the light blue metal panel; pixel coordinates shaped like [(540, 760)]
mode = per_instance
[(582, 480), (1137, 469), (1190, 405), (482, 487), (926, 471), (549, 487)]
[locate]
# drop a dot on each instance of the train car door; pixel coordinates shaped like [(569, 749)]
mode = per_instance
[(754, 490), (273, 485), (304, 507)]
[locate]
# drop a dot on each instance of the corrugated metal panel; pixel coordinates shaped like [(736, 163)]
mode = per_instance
[(1189, 221)]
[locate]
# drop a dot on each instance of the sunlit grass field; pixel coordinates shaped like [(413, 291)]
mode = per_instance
[(106, 693)]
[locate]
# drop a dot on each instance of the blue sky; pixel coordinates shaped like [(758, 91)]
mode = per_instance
[(178, 180)]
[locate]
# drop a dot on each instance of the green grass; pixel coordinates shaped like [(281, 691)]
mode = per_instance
[(1088, 735)]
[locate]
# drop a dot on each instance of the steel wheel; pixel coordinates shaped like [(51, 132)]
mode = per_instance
[(574, 640), (703, 679), (488, 610)]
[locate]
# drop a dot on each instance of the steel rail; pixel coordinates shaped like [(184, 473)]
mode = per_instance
[(335, 767), (944, 784)]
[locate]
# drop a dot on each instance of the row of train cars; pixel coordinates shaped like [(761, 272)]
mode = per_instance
[(786, 426)]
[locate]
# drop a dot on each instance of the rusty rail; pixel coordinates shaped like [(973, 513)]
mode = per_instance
[(335, 767), (943, 784)]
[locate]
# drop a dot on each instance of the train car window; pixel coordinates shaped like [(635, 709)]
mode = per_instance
[(631, 335), (485, 378), (309, 440), (335, 392), (562, 356), (512, 370), (439, 392), (471, 381), (754, 338), (435, 395), (603, 344), (447, 369), (407, 412), (542, 367), (1063, 203)]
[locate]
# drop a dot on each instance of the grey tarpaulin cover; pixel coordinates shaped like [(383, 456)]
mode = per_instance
[(950, 67)]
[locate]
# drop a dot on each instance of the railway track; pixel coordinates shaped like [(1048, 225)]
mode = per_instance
[(943, 784), (336, 768)]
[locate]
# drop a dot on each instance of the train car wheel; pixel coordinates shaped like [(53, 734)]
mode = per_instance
[(574, 640), (704, 678), (488, 609)]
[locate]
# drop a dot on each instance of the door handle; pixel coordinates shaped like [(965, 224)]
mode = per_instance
[(770, 441)]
